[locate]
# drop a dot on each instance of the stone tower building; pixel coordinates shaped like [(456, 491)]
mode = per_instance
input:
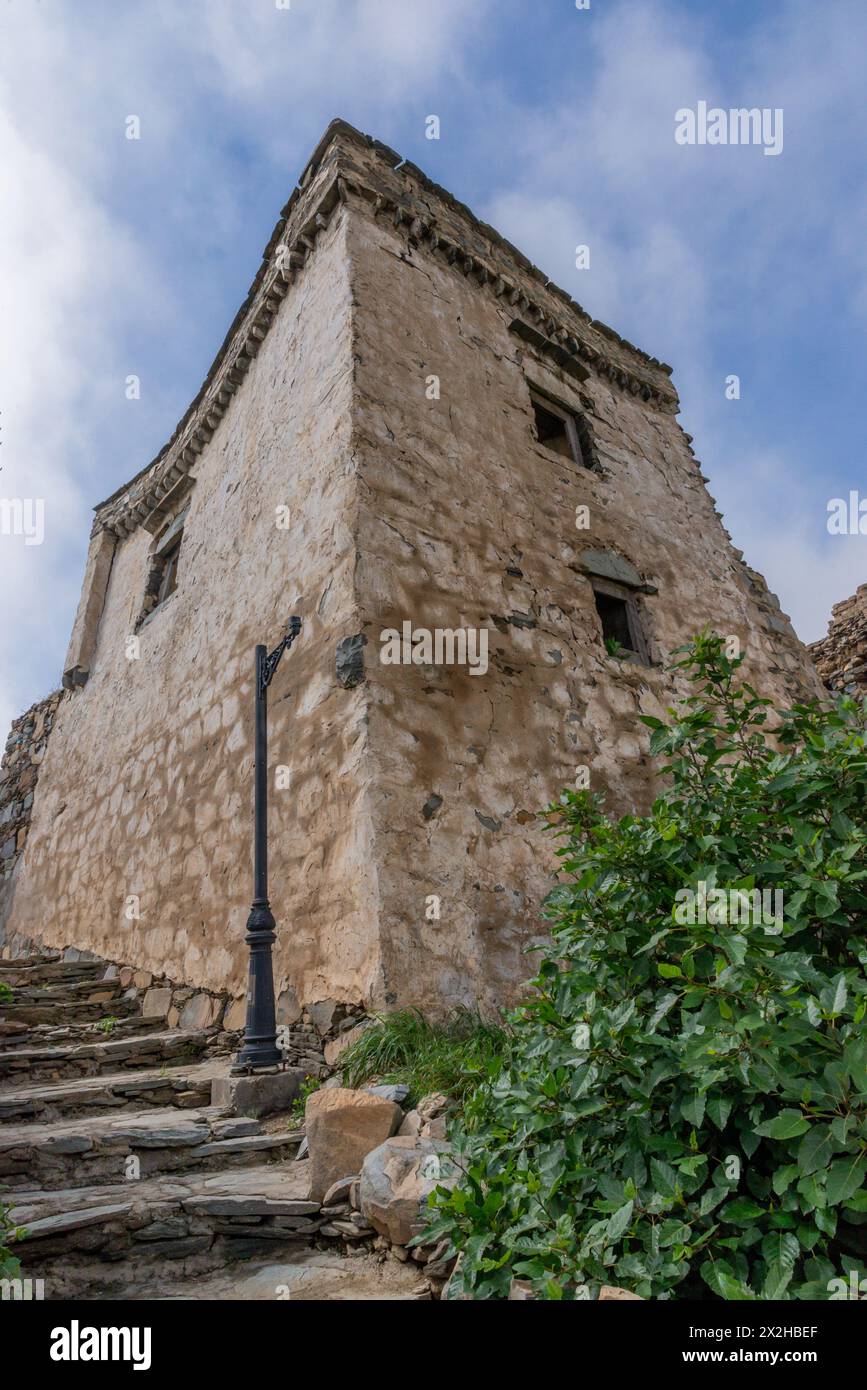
[(473, 494)]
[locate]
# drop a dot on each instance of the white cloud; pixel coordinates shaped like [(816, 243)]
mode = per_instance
[(688, 243), (116, 254), (64, 266), (87, 288)]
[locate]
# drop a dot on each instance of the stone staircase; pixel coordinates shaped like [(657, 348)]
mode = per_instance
[(127, 1180)]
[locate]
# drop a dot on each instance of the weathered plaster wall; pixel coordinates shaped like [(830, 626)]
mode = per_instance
[(467, 521), (147, 787)]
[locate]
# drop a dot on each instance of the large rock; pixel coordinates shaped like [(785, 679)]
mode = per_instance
[(342, 1128), (396, 1180)]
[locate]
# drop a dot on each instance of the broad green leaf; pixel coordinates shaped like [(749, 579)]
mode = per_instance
[(719, 1108), (723, 1282), (663, 1177), (787, 1125), (845, 1177), (784, 1177), (620, 1221), (692, 1109), (777, 1279), (741, 1210), (815, 1149)]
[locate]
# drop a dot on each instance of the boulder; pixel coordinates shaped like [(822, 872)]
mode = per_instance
[(342, 1127), (396, 1180), (611, 1293)]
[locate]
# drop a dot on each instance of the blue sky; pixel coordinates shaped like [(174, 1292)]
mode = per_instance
[(556, 125)]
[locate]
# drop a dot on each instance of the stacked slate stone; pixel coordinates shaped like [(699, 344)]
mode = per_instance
[(841, 657), (19, 770)]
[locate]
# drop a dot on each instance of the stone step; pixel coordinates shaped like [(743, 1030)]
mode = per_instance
[(170, 1046), (184, 1086), (96, 1149), (60, 1012), (65, 1034), (68, 992), (18, 973), (203, 1221), (40, 957)]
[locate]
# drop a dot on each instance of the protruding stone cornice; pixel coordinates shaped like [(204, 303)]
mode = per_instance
[(139, 502), (562, 333)]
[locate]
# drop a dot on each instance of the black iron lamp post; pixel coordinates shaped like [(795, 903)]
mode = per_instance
[(259, 1048)]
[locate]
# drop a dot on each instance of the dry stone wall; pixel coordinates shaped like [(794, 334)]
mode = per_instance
[(841, 657), (19, 774)]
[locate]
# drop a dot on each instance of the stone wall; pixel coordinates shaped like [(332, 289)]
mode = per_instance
[(467, 520), (140, 847), (841, 657), (407, 864), (19, 773)]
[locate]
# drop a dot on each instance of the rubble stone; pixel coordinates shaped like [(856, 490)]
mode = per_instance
[(841, 656)]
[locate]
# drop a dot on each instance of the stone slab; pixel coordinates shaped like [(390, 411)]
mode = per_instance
[(258, 1095)]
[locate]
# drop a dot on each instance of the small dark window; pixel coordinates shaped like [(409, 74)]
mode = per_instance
[(556, 428), (614, 616), (565, 431), (169, 580), (162, 577), (621, 625)]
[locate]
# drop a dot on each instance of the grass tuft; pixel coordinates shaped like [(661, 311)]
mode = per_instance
[(452, 1055)]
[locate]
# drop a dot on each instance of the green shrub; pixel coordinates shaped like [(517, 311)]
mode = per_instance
[(453, 1055), (682, 1110)]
